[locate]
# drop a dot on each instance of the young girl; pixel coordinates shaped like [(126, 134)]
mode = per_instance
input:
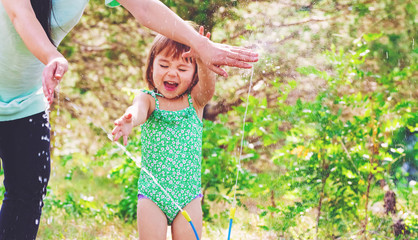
[(30, 64), (171, 134)]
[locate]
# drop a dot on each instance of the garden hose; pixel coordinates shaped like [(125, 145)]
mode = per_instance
[(187, 217), (231, 219)]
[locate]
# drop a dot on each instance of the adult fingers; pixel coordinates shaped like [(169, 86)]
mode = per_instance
[(51, 98), (239, 53), (61, 69), (233, 63), (47, 81), (45, 89), (242, 55), (218, 70), (244, 51)]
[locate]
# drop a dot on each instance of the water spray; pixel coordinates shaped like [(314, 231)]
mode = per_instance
[(233, 209)]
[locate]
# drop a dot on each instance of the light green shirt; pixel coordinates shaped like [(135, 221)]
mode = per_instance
[(21, 92)]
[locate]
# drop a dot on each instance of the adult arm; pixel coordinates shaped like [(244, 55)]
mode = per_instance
[(155, 15), (30, 30), (33, 35)]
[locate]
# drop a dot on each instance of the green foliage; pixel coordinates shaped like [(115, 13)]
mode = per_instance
[(205, 12), (72, 206), (337, 148), (126, 175), (220, 165), (322, 144)]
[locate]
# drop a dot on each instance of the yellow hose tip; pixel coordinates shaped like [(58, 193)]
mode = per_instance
[(232, 213), (186, 216)]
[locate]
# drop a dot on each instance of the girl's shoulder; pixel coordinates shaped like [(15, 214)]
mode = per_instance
[(145, 96)]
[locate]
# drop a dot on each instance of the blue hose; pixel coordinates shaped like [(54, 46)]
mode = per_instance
[(187, 217), (194, 230), (230, 227)]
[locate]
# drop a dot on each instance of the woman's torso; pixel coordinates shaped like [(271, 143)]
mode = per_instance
[(20, 71)]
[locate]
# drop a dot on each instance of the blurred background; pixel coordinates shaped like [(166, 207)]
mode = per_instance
[(330, 144)]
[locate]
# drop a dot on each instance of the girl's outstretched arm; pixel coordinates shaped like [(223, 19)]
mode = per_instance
[(33, 35), (135, 115), (158, 17)]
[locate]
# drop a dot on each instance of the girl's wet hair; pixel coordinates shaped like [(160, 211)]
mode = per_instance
[(169, 47)]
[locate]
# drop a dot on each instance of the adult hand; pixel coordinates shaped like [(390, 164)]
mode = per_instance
[(214, 55), (192, 52), (52, 75)]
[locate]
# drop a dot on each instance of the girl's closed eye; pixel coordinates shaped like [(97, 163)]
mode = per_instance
[(163, 66)]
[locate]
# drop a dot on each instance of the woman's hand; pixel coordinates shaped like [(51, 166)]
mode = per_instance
[(214, 55), (52, 75), (123, 128), (193, 53)]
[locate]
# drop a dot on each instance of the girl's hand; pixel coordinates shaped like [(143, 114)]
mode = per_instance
[(214, 55), (123, 128), (52, 75)]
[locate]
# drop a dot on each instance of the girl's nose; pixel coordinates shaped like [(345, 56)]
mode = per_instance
[(172, 72)]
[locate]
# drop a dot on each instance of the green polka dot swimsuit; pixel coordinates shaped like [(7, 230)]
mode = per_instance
[(171, 152)]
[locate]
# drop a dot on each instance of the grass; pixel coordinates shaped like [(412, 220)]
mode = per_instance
[(79, 190), (57, 224)]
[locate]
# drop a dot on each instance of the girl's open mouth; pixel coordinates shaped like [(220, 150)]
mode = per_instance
[(170, 86)]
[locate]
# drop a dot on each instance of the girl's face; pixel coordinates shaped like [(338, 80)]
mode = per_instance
[(172, 77)]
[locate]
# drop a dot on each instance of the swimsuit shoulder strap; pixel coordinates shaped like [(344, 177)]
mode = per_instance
[(190, 99), (154, 95)]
